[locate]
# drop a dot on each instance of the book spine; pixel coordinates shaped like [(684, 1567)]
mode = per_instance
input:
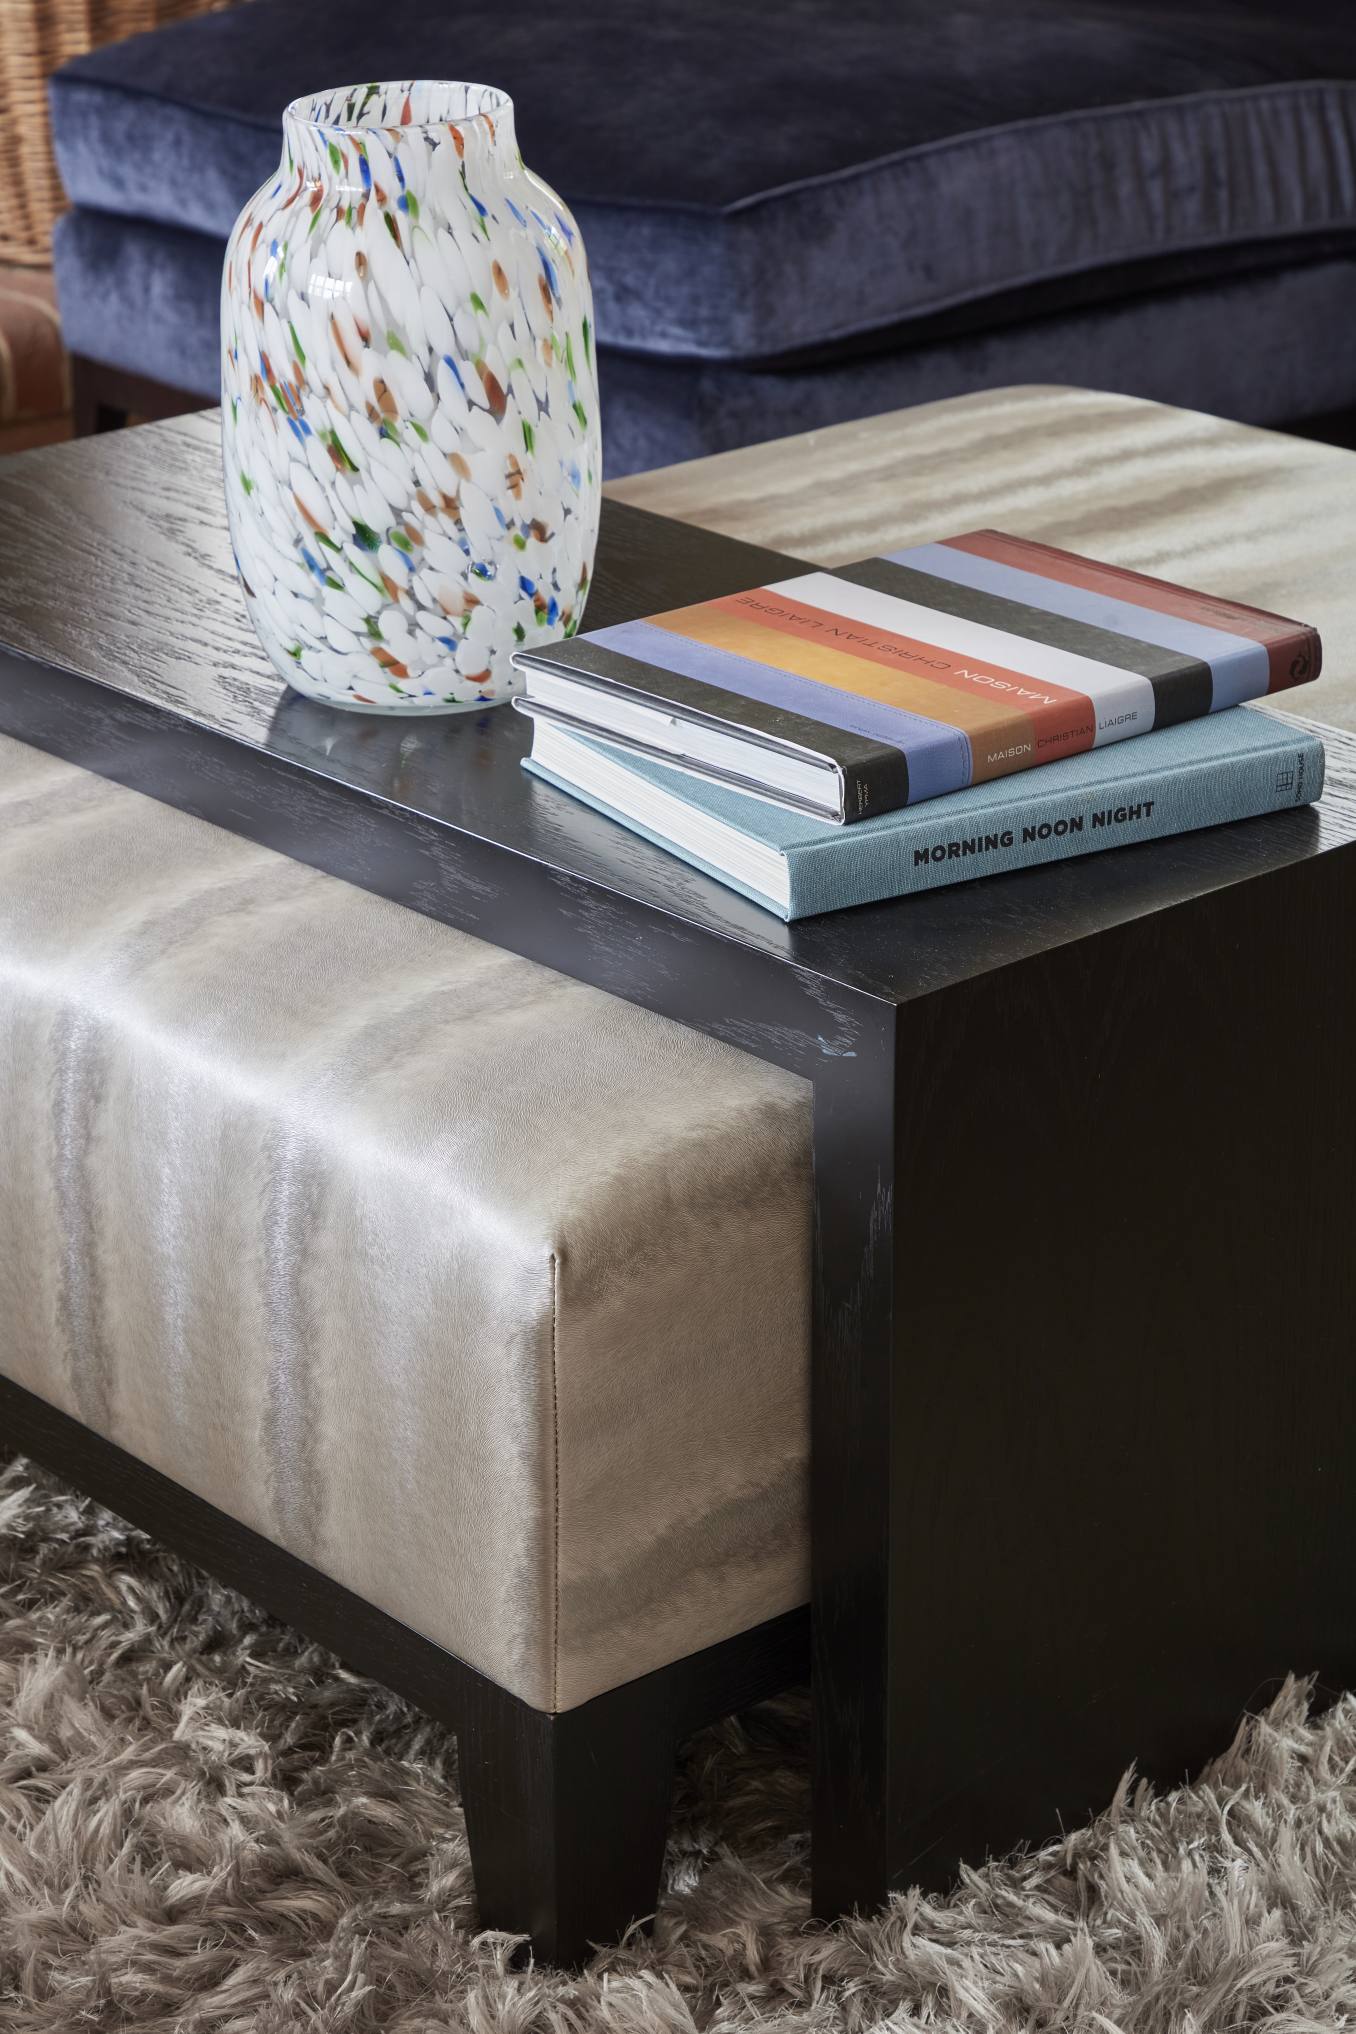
[(929, 850), (875, 784)]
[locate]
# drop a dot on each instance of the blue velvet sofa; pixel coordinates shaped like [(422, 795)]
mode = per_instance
[(796, 212)]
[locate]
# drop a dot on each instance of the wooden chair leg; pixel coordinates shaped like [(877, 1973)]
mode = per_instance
[(106, 398), (91, 410), (567, 1815)]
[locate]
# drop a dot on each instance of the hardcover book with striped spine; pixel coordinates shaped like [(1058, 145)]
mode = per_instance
[(852, 692)]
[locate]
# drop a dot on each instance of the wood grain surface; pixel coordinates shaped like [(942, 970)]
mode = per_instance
[(1233, 510)]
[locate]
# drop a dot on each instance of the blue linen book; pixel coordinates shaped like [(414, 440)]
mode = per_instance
[(1233, 765)]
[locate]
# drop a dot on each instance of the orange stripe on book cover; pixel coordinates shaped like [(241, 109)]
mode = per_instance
[(1002, 739), (1062, 720), (1294, 653), (1006, 733)]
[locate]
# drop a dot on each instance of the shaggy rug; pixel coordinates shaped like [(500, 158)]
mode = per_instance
[(206, 1824)]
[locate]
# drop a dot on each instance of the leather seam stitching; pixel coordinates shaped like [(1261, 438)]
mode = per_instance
[(555, 1482)]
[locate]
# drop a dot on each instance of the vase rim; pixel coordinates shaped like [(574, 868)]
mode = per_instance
[(359, 109)]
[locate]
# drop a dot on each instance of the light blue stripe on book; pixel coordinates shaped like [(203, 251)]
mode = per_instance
[(1208, 772), (1239, 667), (938, 756)]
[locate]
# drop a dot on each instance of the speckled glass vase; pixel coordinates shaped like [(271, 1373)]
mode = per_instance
[(410, 414)]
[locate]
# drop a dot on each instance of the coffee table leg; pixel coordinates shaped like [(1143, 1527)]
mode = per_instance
[(853, 1471)]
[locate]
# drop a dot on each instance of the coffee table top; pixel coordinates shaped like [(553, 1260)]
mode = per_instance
[(116, 581)]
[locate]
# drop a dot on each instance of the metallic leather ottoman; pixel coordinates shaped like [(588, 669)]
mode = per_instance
[(480, 1292)]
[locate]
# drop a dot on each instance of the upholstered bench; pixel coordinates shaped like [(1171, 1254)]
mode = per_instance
[(793, 216), (472, 1300)]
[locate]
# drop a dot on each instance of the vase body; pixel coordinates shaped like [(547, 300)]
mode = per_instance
[(410, 425)]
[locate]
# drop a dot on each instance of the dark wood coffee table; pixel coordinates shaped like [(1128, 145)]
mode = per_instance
[(1085, 1146)]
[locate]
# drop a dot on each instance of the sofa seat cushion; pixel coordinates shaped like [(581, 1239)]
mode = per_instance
[(753, 181), (480, 1290), (1176, 345)]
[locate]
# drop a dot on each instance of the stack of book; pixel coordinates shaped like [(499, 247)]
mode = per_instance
[(845, 736)]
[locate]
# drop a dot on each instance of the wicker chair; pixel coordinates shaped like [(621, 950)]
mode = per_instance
[(35, 37)]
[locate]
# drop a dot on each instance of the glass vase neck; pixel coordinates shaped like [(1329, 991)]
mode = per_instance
[(357, 137)]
